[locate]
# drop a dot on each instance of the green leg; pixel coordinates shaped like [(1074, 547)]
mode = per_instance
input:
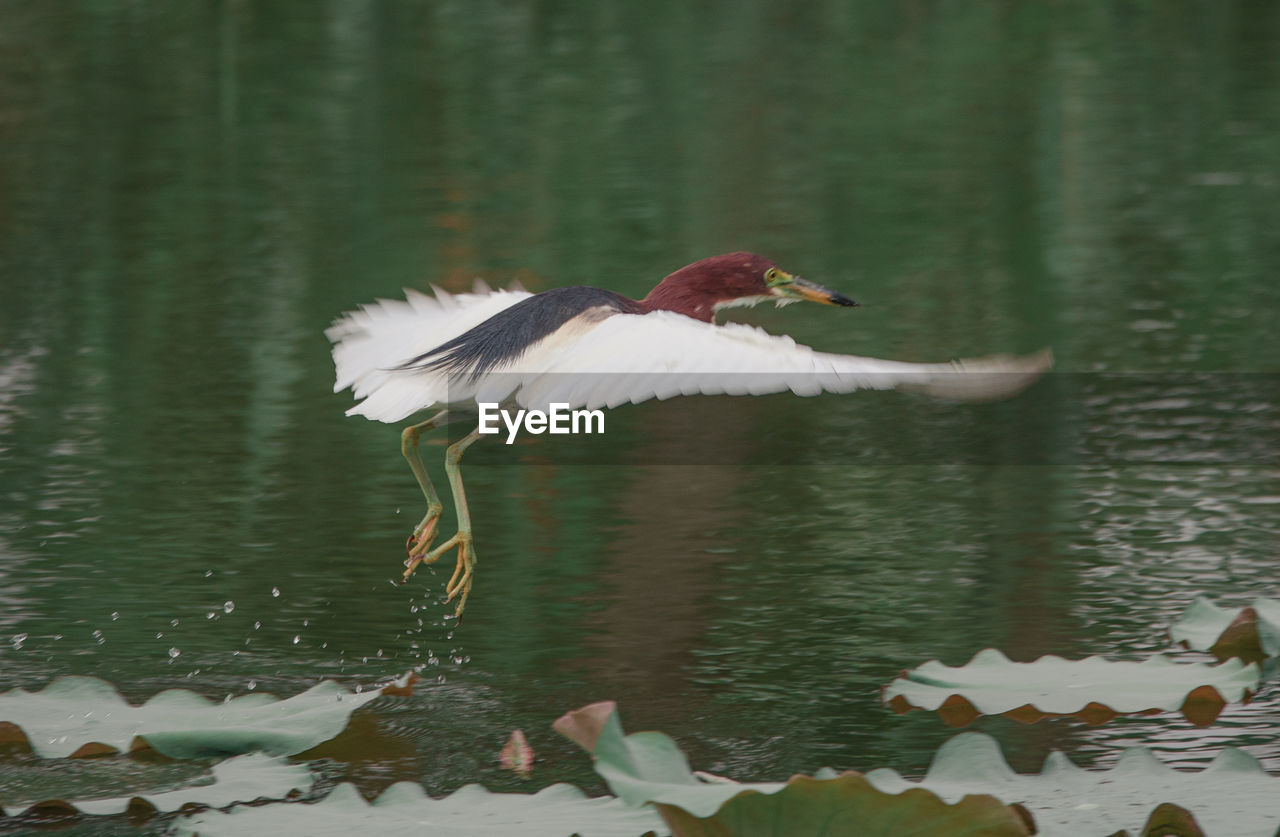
[(460, 582), (425, 532)]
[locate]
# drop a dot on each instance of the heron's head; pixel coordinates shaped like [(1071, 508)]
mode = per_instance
[(732, 280)]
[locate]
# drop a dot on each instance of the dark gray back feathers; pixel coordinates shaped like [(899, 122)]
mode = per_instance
[(508, 334)]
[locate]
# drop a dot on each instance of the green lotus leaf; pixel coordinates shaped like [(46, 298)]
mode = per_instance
[(648, 767), (1093, 689), (238, 779), (1251, 633), (82, 716), (1233, 795), (405, 809)]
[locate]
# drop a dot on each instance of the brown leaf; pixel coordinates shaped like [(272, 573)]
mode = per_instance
[(93, 748), (139, 744), (957, 711), (52, 809), (1240, 639), (12, 734), (1203, 705), (139, 811), (899, 704), (1096, 714), (1169, 820), (402, 687)]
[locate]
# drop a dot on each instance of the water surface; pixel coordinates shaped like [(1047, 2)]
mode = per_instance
[(192, 193)]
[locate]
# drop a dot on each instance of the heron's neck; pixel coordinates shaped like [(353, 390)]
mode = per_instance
[(673, 294)]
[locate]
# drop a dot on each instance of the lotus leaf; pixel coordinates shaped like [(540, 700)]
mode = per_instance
[(84, 716), (405, 809), (238, 779), (1233, 795), (1093, 688), (1250, 633), (648, 767)]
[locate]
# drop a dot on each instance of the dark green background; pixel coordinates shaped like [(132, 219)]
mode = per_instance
[(190, 192)]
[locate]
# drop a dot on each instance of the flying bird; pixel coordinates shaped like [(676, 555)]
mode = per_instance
[(591, 348)]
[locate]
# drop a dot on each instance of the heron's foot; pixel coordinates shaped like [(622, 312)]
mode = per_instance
[(419, 543), (459, 585), (425, 532)]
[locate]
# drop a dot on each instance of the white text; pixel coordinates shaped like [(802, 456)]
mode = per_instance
[(560, 419)]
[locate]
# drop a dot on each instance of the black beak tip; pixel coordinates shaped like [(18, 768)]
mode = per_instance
[(840, 299)]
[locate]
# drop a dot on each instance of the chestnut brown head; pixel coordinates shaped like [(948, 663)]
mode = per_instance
[(734, 279)]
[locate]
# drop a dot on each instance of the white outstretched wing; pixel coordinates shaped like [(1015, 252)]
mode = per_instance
[(624, 358), (628, 358)]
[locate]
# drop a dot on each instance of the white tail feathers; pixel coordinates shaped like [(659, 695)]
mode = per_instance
[(371, 343)]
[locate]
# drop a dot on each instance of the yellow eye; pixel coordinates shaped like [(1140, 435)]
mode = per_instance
[(770, 275)]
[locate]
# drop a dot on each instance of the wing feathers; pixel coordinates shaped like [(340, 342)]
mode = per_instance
[(625, 358), (370, 342)]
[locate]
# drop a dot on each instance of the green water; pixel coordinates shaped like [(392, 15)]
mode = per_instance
[(189, 193)]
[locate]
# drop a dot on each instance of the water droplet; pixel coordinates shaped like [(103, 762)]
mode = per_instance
[(160, 635), (379, 652), (99, 637), (18, 639), (275, 592), (173, 623), (173, 652), (257, 625), (296, 639), (115, 614), (228, 606), (208, 573), (210, 615), (253, 684)]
